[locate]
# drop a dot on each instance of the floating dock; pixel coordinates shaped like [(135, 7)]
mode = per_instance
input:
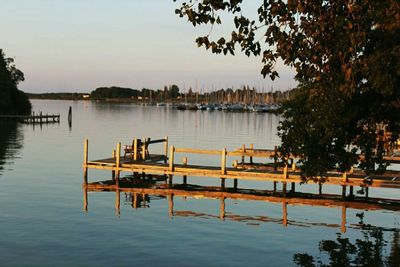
[(138, 160)]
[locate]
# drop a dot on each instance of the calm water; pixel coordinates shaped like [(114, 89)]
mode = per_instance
[(41, 200)]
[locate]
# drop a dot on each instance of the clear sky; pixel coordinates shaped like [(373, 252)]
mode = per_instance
[(78, 45)]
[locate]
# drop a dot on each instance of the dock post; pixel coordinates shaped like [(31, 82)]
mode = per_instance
[(85, 161), (366, 192), (293, 188), (117, 163), (344, 181), (251, 157), (351, 193), (320, 188), (69, 117), (235, 183), (113, 171), (166, 149), (243, 150), (144, 149), (171, 158), (185, 161), (135, 149), (285, 177), (223, 161), (170, 177), (223, 167), (275, 158), (222, 209), (275, 183), (343, 225)]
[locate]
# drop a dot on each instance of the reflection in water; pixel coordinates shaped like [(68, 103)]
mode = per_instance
[(139, 192), (11, 141), (369, 250)]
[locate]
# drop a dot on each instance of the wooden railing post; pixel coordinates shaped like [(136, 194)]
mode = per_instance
[(135, 149), (117, 163), (344, 181), (185, 162), (171, 158), (243, 150), (252, 148), (143, 149), (276, 158), (166, 149), (223, 161)]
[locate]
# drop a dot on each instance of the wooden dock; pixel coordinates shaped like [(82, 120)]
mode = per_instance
[(34, 118), (140, 189), (138, 160)]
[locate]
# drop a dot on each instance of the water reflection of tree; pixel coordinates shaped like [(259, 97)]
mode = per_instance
[(370, 250), (10, 141)]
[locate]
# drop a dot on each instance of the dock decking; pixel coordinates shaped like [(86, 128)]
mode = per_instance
[(137, 159)]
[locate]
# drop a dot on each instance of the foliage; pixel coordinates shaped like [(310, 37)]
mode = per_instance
[(347, 60), (12, 100), (113, 92)]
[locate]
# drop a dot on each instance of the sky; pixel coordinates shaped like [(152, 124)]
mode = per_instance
[(79, 45)]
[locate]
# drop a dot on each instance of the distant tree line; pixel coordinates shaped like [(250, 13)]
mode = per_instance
[(245, 95), (12, 100), (57, 96)]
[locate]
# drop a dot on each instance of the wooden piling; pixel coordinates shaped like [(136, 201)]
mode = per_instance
[(243, 150), (185, 161), (135, 149), (235, 183), (223, 161), (171, 158), (85, 161), (251, 157), (69, 116), (166, 149), (118, 163)]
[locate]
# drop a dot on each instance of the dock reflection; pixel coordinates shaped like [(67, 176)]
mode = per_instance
[(138, 193)]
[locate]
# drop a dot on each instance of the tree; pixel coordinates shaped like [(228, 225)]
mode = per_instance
[(347, 60), (12, 100)]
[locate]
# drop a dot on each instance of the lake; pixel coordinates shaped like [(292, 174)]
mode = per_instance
[(43, 221)]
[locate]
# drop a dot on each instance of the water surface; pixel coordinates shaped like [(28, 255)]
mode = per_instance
[(44, 223)]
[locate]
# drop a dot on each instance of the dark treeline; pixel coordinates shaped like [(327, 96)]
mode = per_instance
[(172, 93), (12, 100), (60, 96)]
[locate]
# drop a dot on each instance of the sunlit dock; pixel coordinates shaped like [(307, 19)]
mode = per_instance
[(138, 160)]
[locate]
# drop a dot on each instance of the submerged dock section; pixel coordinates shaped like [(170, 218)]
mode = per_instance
[(136, 158)]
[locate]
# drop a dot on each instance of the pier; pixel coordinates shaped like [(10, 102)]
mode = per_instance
[(137, 159), (34, 118)]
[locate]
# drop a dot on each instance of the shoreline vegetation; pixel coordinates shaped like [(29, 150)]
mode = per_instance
[(244, 98), (12, 100)]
